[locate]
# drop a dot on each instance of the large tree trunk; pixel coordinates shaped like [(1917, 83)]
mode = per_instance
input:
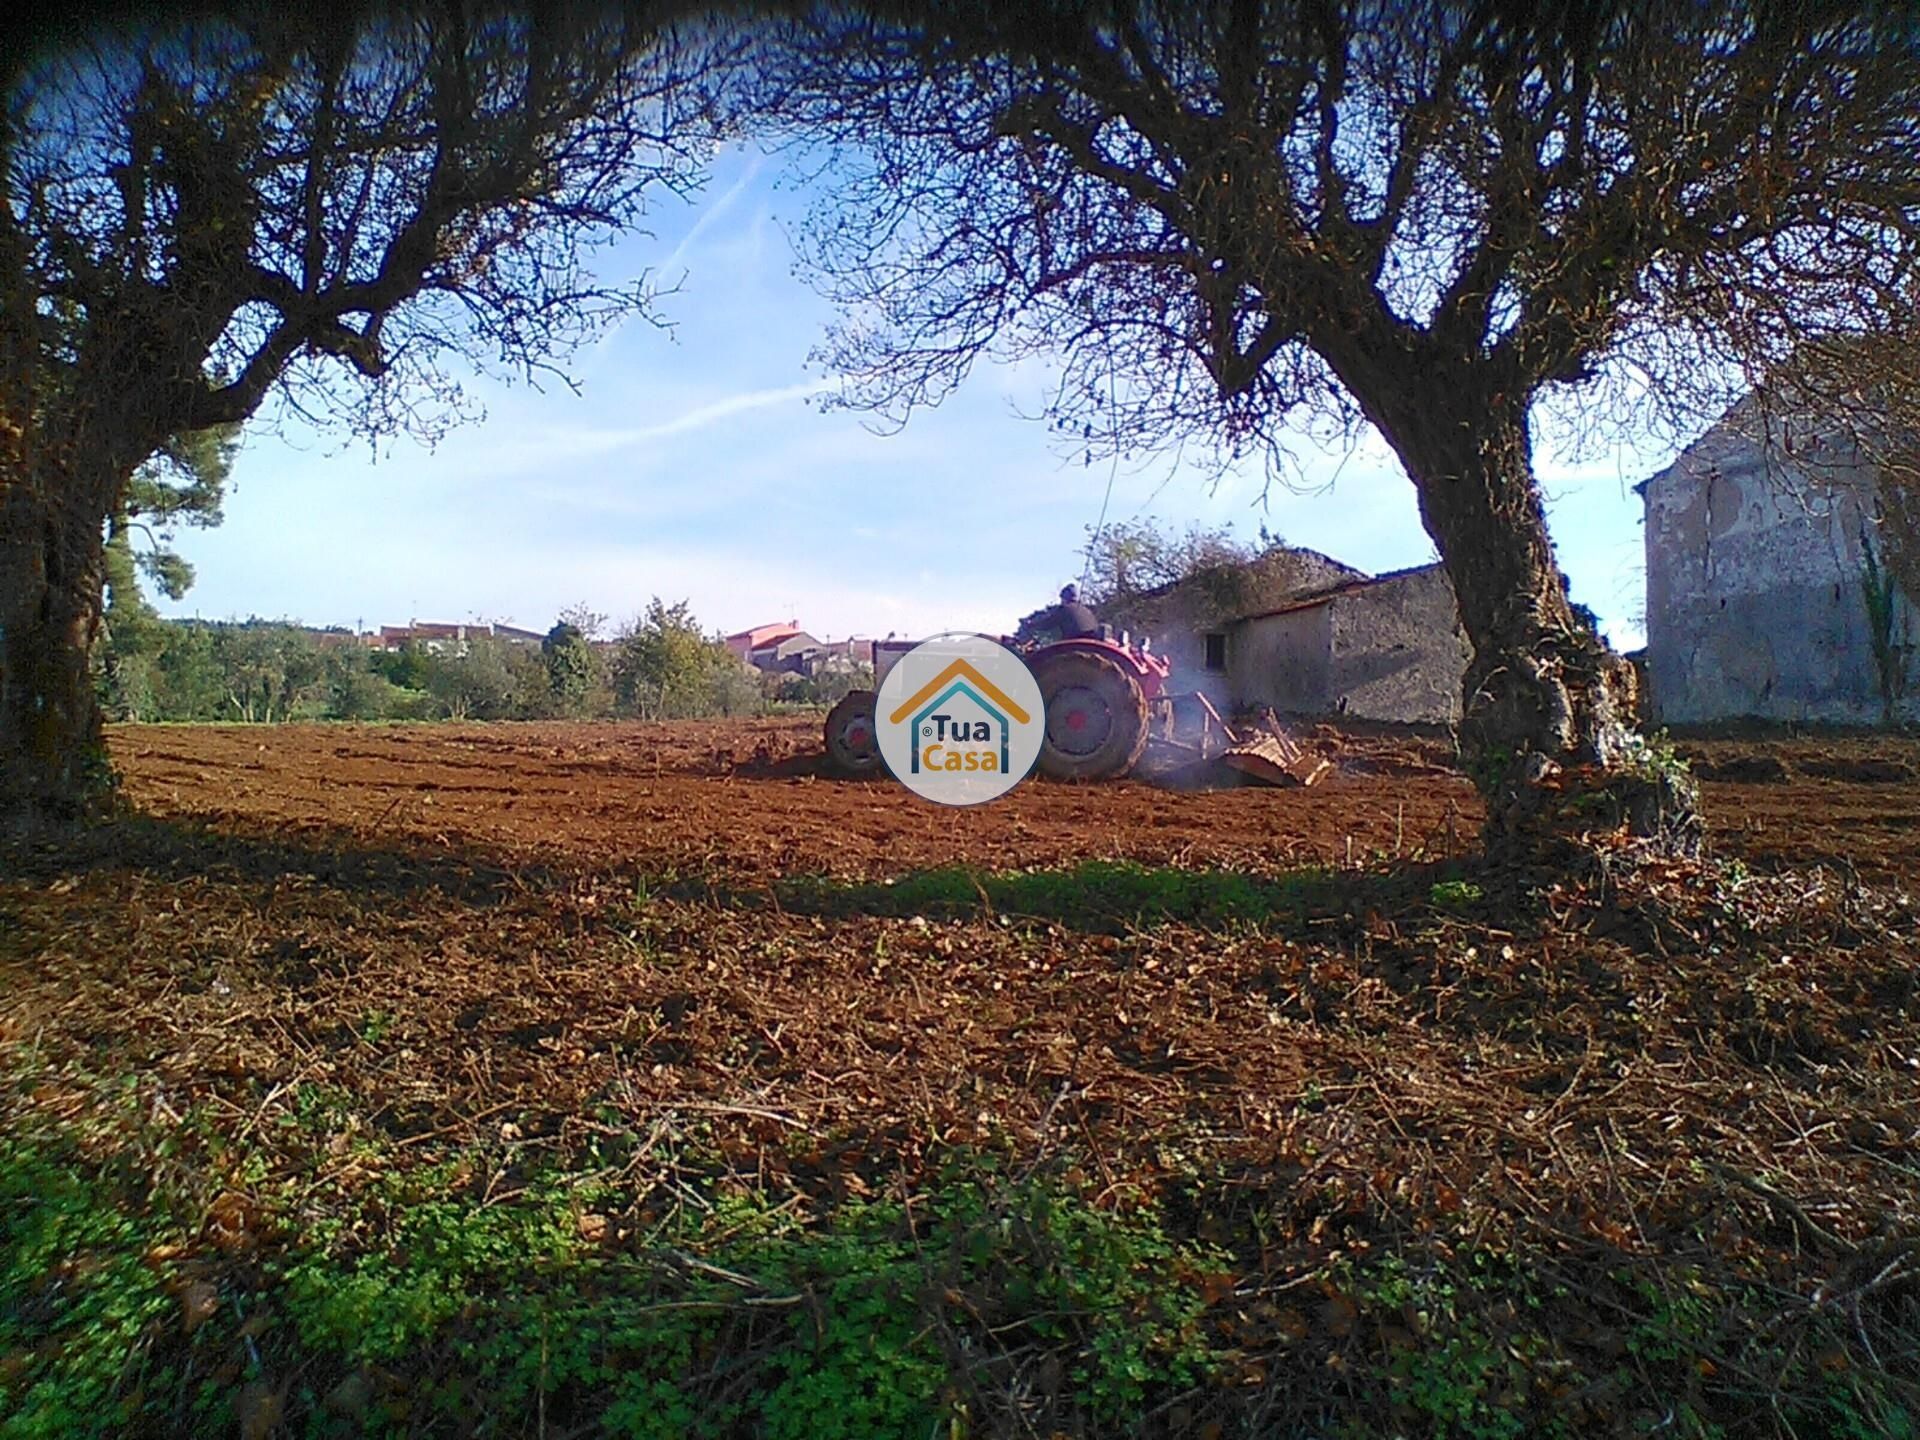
[(52, 754), (1549, 726)]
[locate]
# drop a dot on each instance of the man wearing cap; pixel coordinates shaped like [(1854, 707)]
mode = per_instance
[(1070, 619)]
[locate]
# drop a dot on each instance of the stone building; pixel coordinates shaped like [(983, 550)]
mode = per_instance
[(1306, 635), (1190, 620), (1388, 647), (1760, 558)]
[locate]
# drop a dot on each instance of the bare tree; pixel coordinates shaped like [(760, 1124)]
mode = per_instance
[(1454, 222), (334, 208)]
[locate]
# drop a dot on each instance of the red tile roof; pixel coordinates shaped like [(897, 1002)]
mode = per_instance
[(745, 642)]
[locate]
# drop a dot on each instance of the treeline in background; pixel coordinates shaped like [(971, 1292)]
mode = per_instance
[(660, 665)]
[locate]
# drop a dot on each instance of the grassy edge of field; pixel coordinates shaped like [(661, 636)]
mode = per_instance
[(1004, 1301)]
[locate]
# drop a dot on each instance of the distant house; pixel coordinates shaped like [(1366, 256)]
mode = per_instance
[(446, 637), (783, 648), (434, 636), (786, 655), (1757, 577), (1301, 633), (839, 655), (745, 642)]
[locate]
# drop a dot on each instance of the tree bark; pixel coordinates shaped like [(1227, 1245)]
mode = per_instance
[(1549, 724), (53, 762), (65, 463)]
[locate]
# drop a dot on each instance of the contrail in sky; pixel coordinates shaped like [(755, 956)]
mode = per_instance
[(706, 415), (578, 443), (678, 254)]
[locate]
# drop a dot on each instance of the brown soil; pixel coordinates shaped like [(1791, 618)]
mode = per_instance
[(356, 950), (487, 899), (754, 798), (1850, 801)]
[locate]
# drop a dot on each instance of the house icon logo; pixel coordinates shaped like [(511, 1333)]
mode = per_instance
[(959, 720)]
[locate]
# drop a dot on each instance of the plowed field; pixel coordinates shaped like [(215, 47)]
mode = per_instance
[(1440, 1149), (752, 798)]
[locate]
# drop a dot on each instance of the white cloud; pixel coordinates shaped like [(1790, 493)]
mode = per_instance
[(711, 214)]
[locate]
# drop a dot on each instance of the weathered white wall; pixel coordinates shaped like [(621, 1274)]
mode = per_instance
[(1179, 617), (1282, 661), (1392, 650), (1398, 649), (1186, 647), (1754, 600)]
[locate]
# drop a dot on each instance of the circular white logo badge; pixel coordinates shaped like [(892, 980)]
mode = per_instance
[(960, 719)]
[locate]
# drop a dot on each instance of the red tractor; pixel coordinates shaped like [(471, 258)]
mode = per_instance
[(1100, 697)]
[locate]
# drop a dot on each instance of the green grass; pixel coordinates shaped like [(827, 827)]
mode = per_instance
[(76, 1299), (874, 1319), (1097, 896), (1455, 894), (417, 1303), (1094, 895), (1466, 1347)]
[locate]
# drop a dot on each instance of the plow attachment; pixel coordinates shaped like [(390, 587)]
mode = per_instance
[(1190, 725), (1277, 760)]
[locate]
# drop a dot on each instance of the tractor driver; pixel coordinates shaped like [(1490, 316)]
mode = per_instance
[(1070, 619)]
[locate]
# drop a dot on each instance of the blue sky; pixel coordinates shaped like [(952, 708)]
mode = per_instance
[(697, 465)]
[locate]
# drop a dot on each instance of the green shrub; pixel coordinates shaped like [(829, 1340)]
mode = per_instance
[(862, 1323), (76, 1299)]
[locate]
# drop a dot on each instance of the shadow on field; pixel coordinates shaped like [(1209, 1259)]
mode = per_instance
[(338, 858)]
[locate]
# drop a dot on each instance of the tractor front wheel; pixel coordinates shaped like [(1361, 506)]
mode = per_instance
[(853, 744), (1096, 717)]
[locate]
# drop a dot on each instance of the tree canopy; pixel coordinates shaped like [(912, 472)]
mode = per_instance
[(1452, 221), (665, 666), (268, 202), (336, 210), (1213, 216), (1126, 560)]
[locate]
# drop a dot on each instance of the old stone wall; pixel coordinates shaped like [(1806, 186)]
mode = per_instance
[(1754, 599), (1179, 617), (1284, 661), (1182, 640), (1398, 649), (1390, 649)]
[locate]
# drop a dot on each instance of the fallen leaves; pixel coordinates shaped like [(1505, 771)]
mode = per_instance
[(232, 1222), (1370, 1072), (199, 1303)]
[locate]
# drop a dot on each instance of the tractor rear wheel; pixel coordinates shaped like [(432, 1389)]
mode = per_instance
[(1096, 717), (853, 744)]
